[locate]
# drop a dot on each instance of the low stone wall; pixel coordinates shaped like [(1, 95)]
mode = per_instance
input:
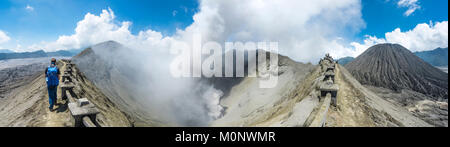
[(328, 91), (83, 112)]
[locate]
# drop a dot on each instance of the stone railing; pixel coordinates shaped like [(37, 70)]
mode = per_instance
[(83, 112), (328, 91)]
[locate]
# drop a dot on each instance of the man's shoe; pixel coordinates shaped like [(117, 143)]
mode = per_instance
[(50, 109)]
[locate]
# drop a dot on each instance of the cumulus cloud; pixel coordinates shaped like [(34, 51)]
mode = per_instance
[(305, 30), (368, 42), (29, 8), (94, 29), (305, 36), (422, 38), (4, 37), (412, 6)]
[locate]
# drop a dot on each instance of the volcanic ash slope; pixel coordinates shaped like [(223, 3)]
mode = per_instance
[(397, 75), (295, 102)]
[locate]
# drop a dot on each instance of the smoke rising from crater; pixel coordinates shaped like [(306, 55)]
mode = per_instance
[(143, 76)]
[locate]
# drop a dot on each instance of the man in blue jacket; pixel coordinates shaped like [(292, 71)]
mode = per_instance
[(52, 78)]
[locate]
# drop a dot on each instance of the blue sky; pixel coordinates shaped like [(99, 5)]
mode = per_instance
[(52, 18), (28, 22), (384, 16)]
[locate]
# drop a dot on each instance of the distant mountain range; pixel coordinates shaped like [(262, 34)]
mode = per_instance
[(8, 54), (6, 51), (436, 57), (345, 60)]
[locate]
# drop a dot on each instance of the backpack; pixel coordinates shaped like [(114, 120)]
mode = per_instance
[(52, 76)]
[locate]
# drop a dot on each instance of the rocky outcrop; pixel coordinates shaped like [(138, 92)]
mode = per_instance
[(435, 113)]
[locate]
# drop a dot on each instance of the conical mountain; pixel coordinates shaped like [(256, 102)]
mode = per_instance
[(395, 67)]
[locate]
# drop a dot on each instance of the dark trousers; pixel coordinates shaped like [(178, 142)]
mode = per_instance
[(52, 99)]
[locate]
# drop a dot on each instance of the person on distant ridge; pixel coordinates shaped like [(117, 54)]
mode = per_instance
[(52, 78)]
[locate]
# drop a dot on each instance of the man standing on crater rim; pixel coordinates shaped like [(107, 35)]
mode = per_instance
[(52, 78)]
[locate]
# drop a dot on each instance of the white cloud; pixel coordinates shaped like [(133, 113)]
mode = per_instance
[(95, 29), (412, 6), (4, 37), (423, 37), (29, 8), (305, 36), (305, 30)]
